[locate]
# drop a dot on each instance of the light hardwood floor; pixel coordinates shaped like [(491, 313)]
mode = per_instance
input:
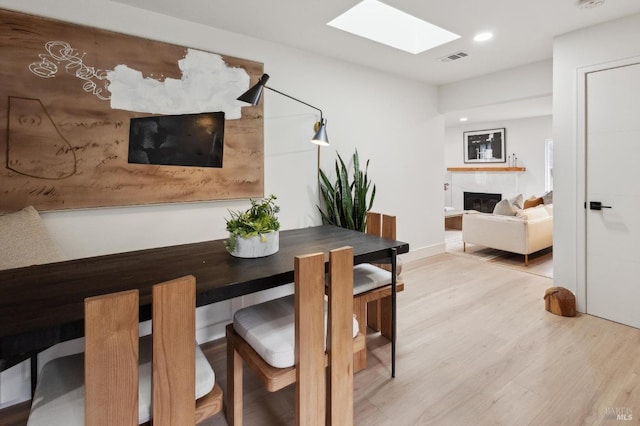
[(540, 263), (476, 347)]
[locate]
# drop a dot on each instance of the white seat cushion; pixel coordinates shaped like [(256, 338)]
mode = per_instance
[(59, 395), (367, 277), (269, 329), (205, 377)]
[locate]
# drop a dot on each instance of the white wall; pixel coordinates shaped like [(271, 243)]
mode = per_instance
[(391, 121), (525, 82), (596, 45), (526, 138)]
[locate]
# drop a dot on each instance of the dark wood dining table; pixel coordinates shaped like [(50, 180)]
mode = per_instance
[(42, 305)]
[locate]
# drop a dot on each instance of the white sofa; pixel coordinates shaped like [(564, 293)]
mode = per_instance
[(529, 231)]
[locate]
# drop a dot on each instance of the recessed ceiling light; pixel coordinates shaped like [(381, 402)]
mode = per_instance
[(390, 26), (463, 118), (588, 4), (483, 37)]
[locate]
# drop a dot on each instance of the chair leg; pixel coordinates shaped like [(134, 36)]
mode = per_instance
[(234, 385), (373, 315), (526, 260), (360, 357), (385, 317)]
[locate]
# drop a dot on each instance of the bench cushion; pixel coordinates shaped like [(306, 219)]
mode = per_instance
[(24, 240)]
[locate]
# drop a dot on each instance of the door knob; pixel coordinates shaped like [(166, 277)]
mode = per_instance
[(597, 205)]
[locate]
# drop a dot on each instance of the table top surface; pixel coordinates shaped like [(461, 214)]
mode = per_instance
[(52, 295)]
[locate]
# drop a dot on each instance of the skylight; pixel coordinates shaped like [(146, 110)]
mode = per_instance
[(390, 26)]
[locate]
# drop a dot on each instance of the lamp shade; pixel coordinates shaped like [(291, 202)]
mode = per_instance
[(321, 137), (252, 96)]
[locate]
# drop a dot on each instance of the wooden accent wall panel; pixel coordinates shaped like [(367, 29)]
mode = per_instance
[(63, 146)]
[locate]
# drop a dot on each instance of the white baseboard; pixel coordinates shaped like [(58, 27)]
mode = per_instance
[(423, 252), (211, 332)]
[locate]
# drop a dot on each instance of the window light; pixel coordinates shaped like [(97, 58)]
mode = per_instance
[(384, 24)]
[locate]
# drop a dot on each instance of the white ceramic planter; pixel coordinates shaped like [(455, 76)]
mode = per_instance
[(256, 247)]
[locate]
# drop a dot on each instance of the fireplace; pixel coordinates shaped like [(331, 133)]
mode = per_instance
[(481, 201)]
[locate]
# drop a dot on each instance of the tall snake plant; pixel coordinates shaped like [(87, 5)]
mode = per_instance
[(346, 202)]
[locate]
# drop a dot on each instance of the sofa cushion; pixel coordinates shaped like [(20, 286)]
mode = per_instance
[(533, 213), (505, 208), (517, 201), (24, 240)]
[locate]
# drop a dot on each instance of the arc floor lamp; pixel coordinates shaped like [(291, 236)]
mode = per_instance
[(252, 96)]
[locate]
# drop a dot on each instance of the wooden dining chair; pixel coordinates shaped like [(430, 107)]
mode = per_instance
[(181, 375), (111, 383), (283, 342), (372, 287)]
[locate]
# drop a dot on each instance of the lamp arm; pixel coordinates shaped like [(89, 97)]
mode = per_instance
[(295, 99)]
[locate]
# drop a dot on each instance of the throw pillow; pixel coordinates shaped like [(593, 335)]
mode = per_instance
[(25, 241), (532, 202), (517, 201), (505, 208), (547, 197)]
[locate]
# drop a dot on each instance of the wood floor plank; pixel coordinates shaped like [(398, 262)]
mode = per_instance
[(475, 346)]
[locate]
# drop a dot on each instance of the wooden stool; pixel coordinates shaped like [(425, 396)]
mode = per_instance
[(560, 301)]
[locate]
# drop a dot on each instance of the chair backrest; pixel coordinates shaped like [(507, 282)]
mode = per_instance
[(381, 225), (314, 397), (340, 337), (112, 349), (173, 360), (309, 338), (111, 359)]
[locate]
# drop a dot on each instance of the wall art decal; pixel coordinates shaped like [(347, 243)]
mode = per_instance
[(70, 93)]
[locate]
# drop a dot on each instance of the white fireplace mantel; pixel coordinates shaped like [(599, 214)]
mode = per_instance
[(494, 180), (487, 169)]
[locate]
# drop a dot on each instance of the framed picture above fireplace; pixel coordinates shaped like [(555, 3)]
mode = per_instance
[(485, 146)]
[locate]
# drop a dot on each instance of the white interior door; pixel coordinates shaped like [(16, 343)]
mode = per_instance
[(613, 179)]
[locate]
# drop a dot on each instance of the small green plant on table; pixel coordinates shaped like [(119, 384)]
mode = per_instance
[(258, 220)]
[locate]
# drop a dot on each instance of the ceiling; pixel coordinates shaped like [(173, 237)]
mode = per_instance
[(523, 30)]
